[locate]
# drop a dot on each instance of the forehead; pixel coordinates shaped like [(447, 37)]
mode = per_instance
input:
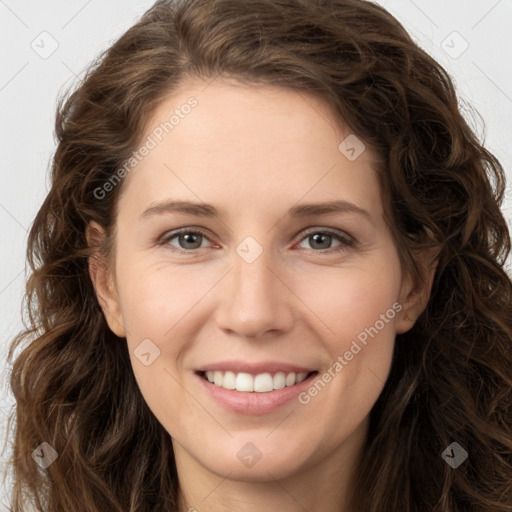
[(240, 142)]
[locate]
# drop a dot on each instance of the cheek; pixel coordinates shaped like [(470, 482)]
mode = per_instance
[(359, 309), (154, 306), (355, 310), (155, 299), (349, 300)]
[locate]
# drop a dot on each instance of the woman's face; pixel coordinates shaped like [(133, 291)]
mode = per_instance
[(260, 289)]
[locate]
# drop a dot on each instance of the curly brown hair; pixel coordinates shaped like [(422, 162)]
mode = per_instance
[(451, 377)]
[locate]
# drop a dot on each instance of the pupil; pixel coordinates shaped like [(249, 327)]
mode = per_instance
[(189, 238), (320, 236)]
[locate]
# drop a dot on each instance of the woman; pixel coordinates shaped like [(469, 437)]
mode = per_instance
[(258, 370)]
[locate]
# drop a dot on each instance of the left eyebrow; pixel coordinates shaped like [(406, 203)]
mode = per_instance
[(300, 210), (340, 206)]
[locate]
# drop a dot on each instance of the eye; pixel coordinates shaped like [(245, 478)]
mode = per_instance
[(322, 239), (189, 240)]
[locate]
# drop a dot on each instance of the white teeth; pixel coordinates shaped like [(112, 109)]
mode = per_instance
[(279, 380), (261, 383), (244, 382), (229, 381), (301, 376), (217, 378)]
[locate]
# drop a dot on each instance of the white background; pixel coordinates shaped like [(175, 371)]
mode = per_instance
[(29, 85)]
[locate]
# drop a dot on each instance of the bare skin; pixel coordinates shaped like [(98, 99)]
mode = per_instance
[(254, 153)]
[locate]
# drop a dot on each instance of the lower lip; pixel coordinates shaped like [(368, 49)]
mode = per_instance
[(254, 402)]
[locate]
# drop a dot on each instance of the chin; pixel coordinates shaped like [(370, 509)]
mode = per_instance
[(260, 460)]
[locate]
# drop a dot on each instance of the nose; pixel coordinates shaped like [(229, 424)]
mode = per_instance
[(254, 300)]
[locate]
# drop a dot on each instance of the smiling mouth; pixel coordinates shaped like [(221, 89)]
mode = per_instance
[(260, 383)]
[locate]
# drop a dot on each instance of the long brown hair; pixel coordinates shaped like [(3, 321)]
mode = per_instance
[(451, 378)]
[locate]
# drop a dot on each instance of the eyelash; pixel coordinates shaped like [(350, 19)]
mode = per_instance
[(345, 240)]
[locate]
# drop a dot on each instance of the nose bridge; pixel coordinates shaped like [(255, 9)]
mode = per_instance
[(254, 300), (253, 280)]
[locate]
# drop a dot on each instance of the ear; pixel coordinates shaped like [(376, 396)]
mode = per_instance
[(103, 281), (414, 298)]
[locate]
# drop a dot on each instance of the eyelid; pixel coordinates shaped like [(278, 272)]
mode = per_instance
[(348, 239), (169, 235)]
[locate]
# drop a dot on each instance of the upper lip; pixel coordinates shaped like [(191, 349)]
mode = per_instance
[(254, 368)]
